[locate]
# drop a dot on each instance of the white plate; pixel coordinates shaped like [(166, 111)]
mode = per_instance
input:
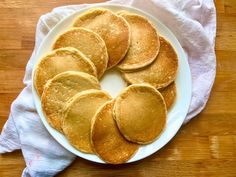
[(113, 83)]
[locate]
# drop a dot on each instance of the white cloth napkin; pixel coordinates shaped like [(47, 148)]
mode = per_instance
[(194, 24)]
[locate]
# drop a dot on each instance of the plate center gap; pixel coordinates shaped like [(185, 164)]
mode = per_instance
[(112, 82)]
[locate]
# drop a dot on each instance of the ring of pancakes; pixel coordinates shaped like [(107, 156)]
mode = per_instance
[(73, 102), (89, 43), (144, 45), (145, 119), (113, 29), (108, 143), (58, 61), (78, 116), (60, 89)]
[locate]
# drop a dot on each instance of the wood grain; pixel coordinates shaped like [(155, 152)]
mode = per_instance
[(204, 147)]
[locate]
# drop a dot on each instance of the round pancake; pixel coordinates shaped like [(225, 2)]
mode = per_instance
[(113, 29), (58, 61), (145, 44), (169, 94), (108, 143), (161, 72), (140, 113), (60, 89), (78, 116), (89, 43)]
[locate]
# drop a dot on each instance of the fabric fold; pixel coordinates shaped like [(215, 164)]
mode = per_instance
[(9, 139)]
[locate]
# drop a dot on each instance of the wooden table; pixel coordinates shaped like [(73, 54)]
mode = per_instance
[(204, 147)]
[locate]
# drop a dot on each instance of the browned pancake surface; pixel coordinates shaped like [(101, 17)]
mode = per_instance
[(140, 113), (107, 141), (169, 94), (89, 43), (161, 72), (78, 116), (58, 61), (60, 89), (113, 29), (144, 45)]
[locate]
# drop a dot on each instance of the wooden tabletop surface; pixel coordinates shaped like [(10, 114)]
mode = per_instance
[(204, 147)]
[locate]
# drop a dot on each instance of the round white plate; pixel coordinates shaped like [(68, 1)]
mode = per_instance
[(113, 83)]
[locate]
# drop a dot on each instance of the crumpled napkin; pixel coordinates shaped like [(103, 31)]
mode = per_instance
[(194, 24)]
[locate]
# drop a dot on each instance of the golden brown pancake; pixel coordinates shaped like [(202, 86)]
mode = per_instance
[(58, 61), (78, 116), (145, 44), (113, 29), (140, 113), (89, 43), (161, 72), (169, 94), (60, 89), (107, 141)]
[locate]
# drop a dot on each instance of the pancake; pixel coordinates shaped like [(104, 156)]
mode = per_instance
[(78, 116), (169, 94), (60, 89), (140, 113), (161, 72), (89, 43), (58, 61), (113, 29), (145, 44), (108, 143)]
